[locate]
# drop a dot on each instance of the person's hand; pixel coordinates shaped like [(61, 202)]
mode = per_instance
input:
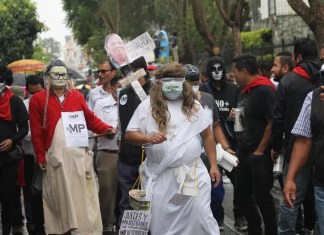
[(258, 153), (215, 175), (43, 166), (232, 113), (156, 138), (6, 145), (274, 154), (289, 192), (110, 133), (322, 94), (229, 150)]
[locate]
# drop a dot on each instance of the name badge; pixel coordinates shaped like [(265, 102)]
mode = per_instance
[(75, 129)]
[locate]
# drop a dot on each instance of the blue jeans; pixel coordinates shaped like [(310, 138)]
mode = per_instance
[(319, 202), (288, 216)]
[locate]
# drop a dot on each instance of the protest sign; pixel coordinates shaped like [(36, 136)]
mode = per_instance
[(135, 223), (139, 46)]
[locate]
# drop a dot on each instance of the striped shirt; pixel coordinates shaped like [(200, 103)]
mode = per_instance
[(302, 126)]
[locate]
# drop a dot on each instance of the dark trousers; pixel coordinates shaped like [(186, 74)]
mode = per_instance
[(217, 195), (237, 204), (8, 176), (254, 180), (29, 164), (38, 213), (309, 207), (127, 175)]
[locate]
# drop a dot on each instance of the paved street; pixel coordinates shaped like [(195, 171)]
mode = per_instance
[(228, 207)]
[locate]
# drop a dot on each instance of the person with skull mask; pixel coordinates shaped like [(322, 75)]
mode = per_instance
[(69, 191), (225, 95), (14, 127)]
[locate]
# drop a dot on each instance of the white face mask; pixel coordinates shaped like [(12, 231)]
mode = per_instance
[(2, 87), (172, 90), (195, 89), (60, 82), (217, 71)]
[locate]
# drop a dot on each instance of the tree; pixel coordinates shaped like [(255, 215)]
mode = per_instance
[(212, 40), (313, 15), (19, 29), (46, 49), (40, 54), (235, 16), (130, 18), (92, 20), (51, 46)]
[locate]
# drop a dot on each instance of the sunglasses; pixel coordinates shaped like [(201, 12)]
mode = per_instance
[(64, 76), (103, 70)]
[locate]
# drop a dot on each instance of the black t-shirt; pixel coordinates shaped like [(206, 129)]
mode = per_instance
[(257, 108), (128, 102), (207, 101), (17, 128), (225, 99)]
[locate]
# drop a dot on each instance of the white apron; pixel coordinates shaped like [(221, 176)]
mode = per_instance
[(70, 194)]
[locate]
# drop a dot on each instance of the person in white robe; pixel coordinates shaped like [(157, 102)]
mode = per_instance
[(169, 125)]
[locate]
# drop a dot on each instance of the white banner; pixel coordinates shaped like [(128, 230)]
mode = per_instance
[(75, 129), (139, 46)]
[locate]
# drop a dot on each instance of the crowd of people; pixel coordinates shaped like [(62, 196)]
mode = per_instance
[(164, 133)]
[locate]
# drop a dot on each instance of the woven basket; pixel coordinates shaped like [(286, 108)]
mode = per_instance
[(137, 200)]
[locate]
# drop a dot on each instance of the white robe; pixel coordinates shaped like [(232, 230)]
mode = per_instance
[(171, 164), (70, 195)]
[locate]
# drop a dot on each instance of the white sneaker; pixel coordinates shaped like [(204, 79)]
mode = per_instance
[(226, 180)]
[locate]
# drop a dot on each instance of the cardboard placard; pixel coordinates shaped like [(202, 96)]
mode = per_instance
[(135, 223)]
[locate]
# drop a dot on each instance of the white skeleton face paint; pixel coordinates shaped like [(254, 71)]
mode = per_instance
[(217, 71)]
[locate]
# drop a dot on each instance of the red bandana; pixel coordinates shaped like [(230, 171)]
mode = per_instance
[(301, 71), (258, 81), (5, 111)]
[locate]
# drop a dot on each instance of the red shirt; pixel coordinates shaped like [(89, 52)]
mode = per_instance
[(74, 101)]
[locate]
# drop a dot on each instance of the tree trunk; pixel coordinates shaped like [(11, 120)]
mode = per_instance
[(313, 15), (237, 40), (186, 54), (202, 26), (233, 18)]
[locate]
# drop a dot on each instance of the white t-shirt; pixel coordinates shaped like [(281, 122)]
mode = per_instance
[(107, 110)]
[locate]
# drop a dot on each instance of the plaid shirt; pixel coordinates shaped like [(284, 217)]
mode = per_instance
[(302, 126)]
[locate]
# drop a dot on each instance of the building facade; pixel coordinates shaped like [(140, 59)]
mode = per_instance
[(286, 25)]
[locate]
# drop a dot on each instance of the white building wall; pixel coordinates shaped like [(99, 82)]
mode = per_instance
[(277, 7)]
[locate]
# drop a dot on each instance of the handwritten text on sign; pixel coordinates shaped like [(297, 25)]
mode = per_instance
[(139, 46), (135, 223)]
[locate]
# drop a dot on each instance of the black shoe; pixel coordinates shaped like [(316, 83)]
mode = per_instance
[(240, 224), (31, 229), (18, 230)]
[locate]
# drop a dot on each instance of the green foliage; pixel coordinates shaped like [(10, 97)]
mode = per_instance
[(51, 46), (19, 28), (40, 54), (256, 38), (92, 20)]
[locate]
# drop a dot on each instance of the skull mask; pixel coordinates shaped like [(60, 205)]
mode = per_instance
[(217, 72)]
